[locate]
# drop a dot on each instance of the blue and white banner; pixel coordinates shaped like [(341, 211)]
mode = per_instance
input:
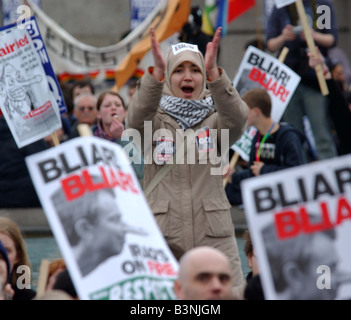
[(140, 10)]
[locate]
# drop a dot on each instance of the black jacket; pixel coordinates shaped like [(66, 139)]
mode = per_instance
[(16, 187), (289, 152)]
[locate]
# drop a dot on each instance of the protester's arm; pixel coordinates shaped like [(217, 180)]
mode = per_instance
[(325, 40), (314, 60), (159, 60), (276, 33), (211, 56), (276, 43), (149, 90)]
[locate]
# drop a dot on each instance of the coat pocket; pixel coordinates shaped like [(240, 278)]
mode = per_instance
[(160, 210), (219, 221)]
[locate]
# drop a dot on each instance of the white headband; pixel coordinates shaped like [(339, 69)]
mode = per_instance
[(182, 46)]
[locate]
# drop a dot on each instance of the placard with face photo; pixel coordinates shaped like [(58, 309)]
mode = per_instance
[(102, 222)]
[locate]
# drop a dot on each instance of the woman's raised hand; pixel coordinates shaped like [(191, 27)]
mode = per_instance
[(159, 60), (211, 55)]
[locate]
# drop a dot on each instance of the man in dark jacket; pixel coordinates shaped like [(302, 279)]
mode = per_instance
[(276, 146)]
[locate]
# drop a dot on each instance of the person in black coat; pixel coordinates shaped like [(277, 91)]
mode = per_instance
[(338, 108), (16, 187)]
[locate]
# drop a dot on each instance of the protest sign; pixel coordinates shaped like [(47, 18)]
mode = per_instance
[(243, 145), (283, 3), (32, 26), (300, 220), (28, 106), (261, 70), (103, 225)]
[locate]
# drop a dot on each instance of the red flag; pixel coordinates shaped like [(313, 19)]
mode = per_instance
[(238, 7)]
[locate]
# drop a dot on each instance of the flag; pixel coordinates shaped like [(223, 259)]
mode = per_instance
[(219, 13)]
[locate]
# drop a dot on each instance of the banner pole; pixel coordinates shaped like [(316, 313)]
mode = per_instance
[(84, 130), (232, 164), (55, 138), (283, 54), (311, 46)]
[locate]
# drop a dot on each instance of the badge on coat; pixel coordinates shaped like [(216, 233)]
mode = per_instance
[(204, 140), (164, 149)]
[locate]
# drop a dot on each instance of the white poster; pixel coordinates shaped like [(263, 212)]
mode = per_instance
[(26, 101), (243, 145), (102, 223), (262, 70), (300, 222), (283, 3)]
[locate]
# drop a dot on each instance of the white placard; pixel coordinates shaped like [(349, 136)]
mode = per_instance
[(26, 101), (282, 3), (300, 222), (102, 223)]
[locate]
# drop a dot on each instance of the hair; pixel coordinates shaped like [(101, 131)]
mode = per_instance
[(259, 98), (55, 265), (248, 248), (10, 228), (132, 83), (83, 95), (82, 84), (104, 94)]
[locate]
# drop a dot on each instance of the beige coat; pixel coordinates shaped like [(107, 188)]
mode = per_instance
[(190, 204)]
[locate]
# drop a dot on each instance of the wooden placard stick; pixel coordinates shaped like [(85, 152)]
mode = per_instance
[(84, 130), (43, 276), (283, 54), (311, 46), (55, 139), (232, 164)]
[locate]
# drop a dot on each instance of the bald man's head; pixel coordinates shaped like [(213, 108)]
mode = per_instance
[(204, 274)]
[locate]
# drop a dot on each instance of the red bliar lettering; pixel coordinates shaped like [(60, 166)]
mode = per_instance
[(290, 223), (75, 186), (277, 90)]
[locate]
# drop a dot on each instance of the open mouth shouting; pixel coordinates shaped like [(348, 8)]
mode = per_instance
[(188, 91)]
